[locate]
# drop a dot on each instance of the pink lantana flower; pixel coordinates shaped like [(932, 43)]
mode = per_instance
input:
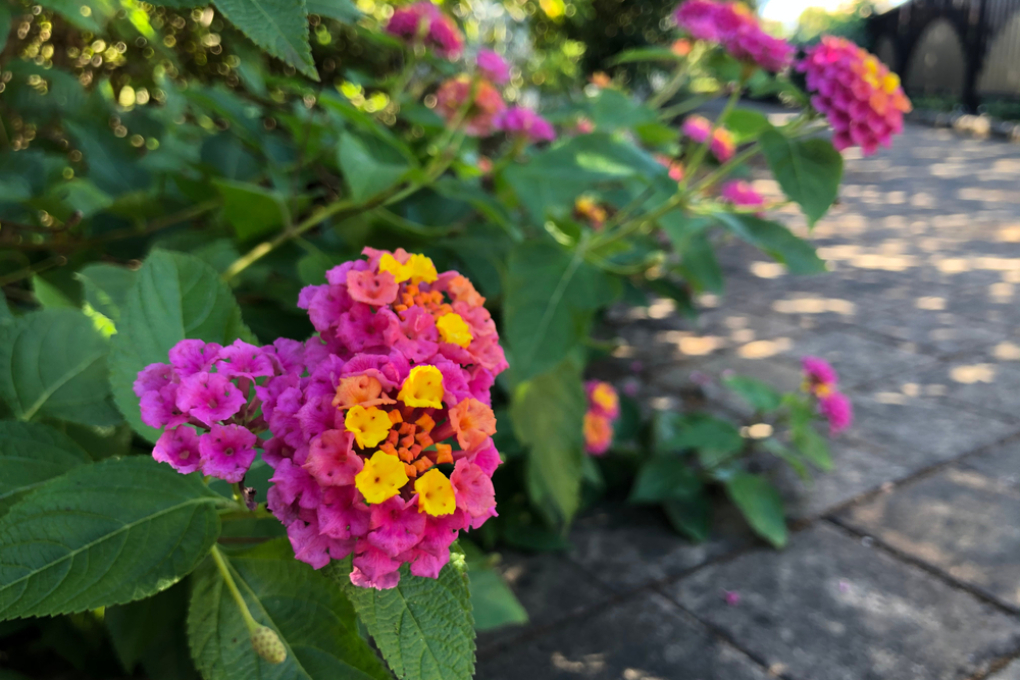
[(740, 193), (820, 381), (484, 108), (493, 67), (837, 409), (526, 124), (737, 29), (698, 128), (227, 452), (603, 410), (424, 22), (861, 98)]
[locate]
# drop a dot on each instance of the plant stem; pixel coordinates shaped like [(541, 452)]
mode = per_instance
[(228, 578), (49, 263), (670, 88)]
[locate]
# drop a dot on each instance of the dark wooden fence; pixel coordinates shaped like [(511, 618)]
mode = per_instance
[(963, 49)]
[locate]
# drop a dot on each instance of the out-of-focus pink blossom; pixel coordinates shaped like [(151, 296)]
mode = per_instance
[(737, 29), (861, 98), (484, 108), (741, 194), (525, 123), (425, 22), (698, 128), (493, 67), (837, 409)]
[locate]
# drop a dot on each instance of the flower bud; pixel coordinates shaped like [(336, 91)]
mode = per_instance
[(267, 644)]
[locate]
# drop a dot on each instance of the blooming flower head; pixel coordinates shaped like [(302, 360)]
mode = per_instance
[(676, 168), (408, 355), (424, 22), (819, 376), (526, 124), (481, 113), (861, 98), (603, 410), (699, 128), (742, 194), (837, 409), (736, 28), (493, 67)]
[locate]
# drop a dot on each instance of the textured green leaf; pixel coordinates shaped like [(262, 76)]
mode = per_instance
[(663, 478), (746, 124), (103, 534), (690, 516), (152, 632), (550, 297), (106, 287), (113, 163), (250, 209), (761, 505), (370, 166), (306, 609), (760, 395), (54, 363), (341, 10), (811, 445), (548, 417), (493, 604), (780, 243), (423, 626), (280, 27), (31, 454), (48, 295), (809, 171), (175, 296), (698, 431), (639, 54)]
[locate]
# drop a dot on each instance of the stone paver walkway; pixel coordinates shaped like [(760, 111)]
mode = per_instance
[(905, 560)]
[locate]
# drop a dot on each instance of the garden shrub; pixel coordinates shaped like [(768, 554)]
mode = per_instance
[(187, 195)]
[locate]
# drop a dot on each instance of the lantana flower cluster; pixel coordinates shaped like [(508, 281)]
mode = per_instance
[(861, 98), (821, 382), (698, 129), (603, 410), (741, 194), (381, 423), (736, 28), (424, 23)]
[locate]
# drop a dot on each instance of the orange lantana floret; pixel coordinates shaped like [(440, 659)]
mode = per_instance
[(473, 422)]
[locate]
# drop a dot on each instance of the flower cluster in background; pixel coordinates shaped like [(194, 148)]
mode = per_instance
[(698, 129), (861, 98), (381, 423), (736, 28), (603, 410), (741, 194), (821, 382), (423, 23)]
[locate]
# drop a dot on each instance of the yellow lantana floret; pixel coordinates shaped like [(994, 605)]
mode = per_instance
[(422, 269), (401, 272), (435, 494), (606, 398), (423, 387), (369, 425), (382, 478), (454, 330)]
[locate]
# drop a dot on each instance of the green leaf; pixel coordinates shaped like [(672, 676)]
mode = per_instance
[(251, 210), (550, 297), (697, 257), (307, 610), (280, 27), (761, 505), (5, 24), (690, 516), (639, 54), (699, 431), (780, 243), (175, 296), (48, 295), (370, 166), (811, 445), (341, 10), (492, 602), (809, 171), (106, 287), (548, 417), (423, 626), (781, 451), (151, 632), (30, 455), (663, 478), (54, 363), (760, 395), (746, 125), (113, 163), (103, 534)]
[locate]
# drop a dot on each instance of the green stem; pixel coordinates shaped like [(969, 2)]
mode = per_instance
[(670, 88), (228, 578), (685, 106)]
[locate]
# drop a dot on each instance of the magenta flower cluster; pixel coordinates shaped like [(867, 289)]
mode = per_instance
[(821, 381), (736, 28), (424, 22), (741, 194), (861, 98), (526, 124), (379, 427)]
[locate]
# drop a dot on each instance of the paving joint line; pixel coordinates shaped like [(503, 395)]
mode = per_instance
[(932, 570)]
